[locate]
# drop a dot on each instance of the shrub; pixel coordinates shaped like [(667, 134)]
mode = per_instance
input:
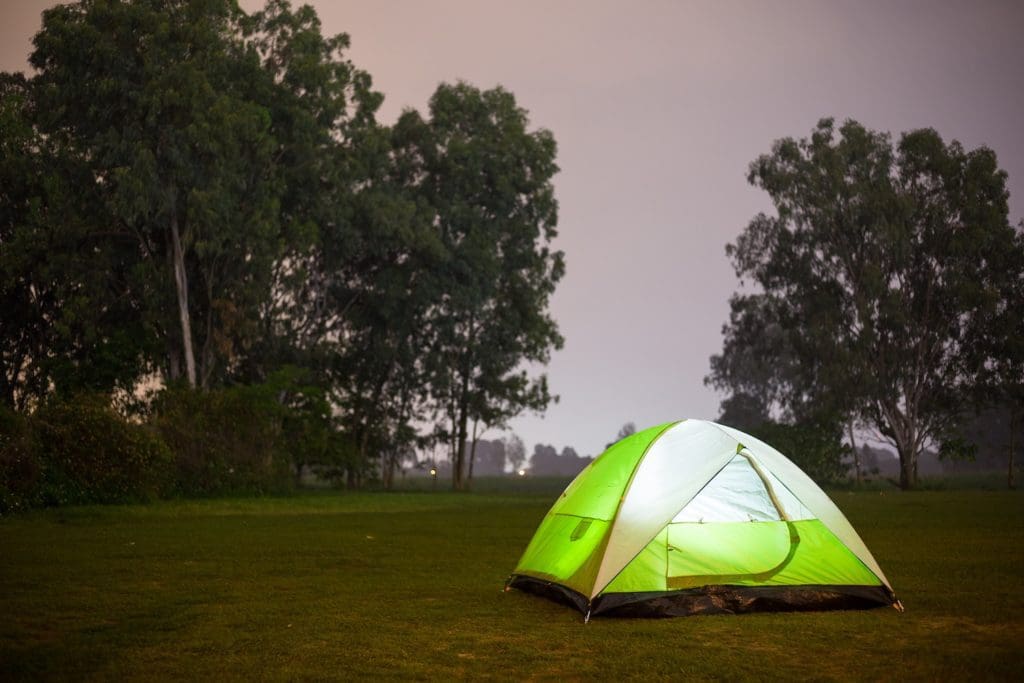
[(80, 450), (19, 466), (816, 448), (224, 441)]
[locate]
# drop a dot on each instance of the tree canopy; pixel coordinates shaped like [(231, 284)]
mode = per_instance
[(875, 283), (484, 180), (190, 193)]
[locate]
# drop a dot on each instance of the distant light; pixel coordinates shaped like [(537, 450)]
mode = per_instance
[(433, 472), (522, 473)]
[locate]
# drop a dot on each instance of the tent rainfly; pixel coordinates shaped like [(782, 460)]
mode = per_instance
[(693, 517)]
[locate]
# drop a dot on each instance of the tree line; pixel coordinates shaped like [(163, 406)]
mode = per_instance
[(886, 292), (202, 200)]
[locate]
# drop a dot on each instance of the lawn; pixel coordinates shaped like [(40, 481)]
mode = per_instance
[(409, 585)]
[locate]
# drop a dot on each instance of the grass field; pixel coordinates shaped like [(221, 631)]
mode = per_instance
[(409, 585)]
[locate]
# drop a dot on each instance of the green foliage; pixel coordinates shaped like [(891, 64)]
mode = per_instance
[(249, 439), (879, 281), (226, 157), (816, 448), (68, 317), (19, 464), (225, 440), (485, 181), (200, 195), (79, 450), (246, 439)]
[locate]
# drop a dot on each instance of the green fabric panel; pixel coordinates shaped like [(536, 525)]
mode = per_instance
[(569, 543), (810, 496), (598, 488), (561, 547), (741, 549), (647, 570), (745, 554)]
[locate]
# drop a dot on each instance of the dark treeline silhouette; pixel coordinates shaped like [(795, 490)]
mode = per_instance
[(203, 227), (548, 462)]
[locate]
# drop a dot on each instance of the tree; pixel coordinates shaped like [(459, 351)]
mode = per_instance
[(147, 93), (743, 411), (26, 305), (997, 363), (332, 159), (68, 319), (485, 181), (211, 138), (816, 448), (376, 296), (546, 461), (515, 452), (628, 429), (489, 457), (877, 276)]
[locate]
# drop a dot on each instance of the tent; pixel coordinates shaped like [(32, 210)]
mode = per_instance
[(694, 517)]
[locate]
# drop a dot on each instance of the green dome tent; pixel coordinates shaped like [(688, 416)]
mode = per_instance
[(694, 517)]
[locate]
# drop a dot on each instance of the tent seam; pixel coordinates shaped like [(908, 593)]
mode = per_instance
[(625, 491)]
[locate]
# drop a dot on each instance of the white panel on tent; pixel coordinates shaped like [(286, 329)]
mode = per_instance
[(676, 466), (791, 505), (815, 500), (737, 494)]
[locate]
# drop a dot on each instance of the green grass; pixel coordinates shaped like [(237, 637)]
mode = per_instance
[(409, 585)]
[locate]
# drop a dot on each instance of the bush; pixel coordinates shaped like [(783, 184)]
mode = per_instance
[(76, 451), (817, 449), (19, 466), (91, 454), (239, 440), (224, 441)]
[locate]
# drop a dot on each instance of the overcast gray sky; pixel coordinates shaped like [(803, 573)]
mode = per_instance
[(658, 108)]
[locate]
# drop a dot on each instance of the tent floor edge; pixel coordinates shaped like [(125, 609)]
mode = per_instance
[(550, 590), (726, 599)]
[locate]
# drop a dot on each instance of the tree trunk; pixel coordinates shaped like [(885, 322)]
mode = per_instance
[(353, 480), (460, 451), (908, 466), (181, 284), (472, 456), (173, 362), (1014, 426), (387, 473), (856, 455), (7, 386), (206, 359)]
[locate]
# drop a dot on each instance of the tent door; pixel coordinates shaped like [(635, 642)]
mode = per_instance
[(710, 552)]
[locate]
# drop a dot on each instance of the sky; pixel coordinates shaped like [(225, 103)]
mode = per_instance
[(658, 108)]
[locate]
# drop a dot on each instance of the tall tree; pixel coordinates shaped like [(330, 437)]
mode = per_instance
[(515, 452), (148, 94), (68, 318), (997, 361), (485, 180), (212, 138), (332, 156), (877, 273), (26, 305)]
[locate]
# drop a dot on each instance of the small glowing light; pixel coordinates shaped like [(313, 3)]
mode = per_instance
[(433, 472), (522, 473)]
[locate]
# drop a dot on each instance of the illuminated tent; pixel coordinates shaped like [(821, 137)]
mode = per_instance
[(694, 517)]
